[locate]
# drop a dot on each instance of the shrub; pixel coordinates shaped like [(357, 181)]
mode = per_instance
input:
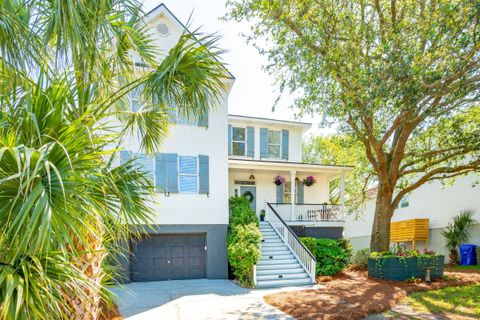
[(331, 257), (360, 258), (243, 241), (457, 232), (243, 251), (346, 246), (241, 212)]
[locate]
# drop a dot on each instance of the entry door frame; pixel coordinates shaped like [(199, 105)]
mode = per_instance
[(252, 189)]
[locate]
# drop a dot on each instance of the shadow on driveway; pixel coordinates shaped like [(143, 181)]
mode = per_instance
[(195, 299)]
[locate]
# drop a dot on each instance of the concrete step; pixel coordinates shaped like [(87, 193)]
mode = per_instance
[(277, 257), (279, 266), (300, 275), (276, 261), (279, 271), (272, 243), (283, 283), (268, 251)]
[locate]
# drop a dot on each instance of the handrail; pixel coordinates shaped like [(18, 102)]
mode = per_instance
[(303, 255)]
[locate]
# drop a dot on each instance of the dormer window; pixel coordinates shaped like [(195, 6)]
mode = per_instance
[(238, 141)]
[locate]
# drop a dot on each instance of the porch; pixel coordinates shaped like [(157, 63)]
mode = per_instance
[(296, 203)]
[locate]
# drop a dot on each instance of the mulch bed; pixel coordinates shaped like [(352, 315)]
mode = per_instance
[(352, 295)]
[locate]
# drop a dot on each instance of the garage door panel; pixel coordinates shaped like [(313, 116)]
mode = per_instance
[(164, 257)]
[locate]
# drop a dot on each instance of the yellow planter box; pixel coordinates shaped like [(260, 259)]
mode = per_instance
[(409, 231)]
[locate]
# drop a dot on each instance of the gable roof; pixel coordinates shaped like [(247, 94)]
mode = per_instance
[(163, 9)]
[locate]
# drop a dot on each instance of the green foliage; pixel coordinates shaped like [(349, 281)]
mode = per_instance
[(241, 212), (330, 255), (66, 70), (360, 258), (457, 233), (346, 150), (243, 251), (243, 242), (346, 246), (400, 77)]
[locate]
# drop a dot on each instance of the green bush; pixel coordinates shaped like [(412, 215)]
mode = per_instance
[(243, 251), (241, 212), (243, 241), (360, 258), (330, 255), (346, 246)]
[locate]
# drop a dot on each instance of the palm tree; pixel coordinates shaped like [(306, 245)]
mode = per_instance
[(456, 233), (66, 70)]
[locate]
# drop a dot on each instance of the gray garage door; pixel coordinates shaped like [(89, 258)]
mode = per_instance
[(168, 257)]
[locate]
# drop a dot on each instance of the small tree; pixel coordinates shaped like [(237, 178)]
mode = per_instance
[(402, 77), (457, 232)]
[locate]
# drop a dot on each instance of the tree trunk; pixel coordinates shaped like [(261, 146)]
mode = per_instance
[(380, 240)]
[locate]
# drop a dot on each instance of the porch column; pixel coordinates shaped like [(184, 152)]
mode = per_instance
[(292, 195), (342, 195)]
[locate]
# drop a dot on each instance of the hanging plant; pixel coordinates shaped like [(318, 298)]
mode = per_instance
[(279, 180), (309, 181)]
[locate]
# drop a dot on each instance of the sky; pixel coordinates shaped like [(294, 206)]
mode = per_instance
[(254, 91)]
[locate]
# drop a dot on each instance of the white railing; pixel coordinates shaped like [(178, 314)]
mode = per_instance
[(310, 212), (303, 255)]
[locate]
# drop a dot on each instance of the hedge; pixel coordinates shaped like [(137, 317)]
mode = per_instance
[(243, 241)]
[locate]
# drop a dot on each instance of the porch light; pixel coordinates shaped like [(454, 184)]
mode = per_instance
[(252, 177)]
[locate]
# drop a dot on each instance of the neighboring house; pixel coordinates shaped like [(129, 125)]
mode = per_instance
[(434, 201), (202, 163)]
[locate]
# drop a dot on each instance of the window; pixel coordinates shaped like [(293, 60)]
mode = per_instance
[(183, 119), (287, 194), (238, 141), (187, 174), (136, 99), (274, 143)]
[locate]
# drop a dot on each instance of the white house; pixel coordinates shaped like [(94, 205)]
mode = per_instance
[(439, 203), (202, 164)]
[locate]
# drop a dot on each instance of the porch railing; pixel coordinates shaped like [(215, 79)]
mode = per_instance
[(303, 255), (310, 212)]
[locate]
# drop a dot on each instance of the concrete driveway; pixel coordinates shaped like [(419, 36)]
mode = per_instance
[(195, 299)]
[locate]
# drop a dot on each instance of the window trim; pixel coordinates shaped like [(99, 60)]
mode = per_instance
[(138, 98), (197, 175), (274, 144), (290, 192), (239, 141)]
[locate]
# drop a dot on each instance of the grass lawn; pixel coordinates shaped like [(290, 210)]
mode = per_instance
[(462, 301), (461, 268)]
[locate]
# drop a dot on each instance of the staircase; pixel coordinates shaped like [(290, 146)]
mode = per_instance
[(278, 267)]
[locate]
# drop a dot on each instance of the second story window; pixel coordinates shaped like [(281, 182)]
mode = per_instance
[(238, 141), (274, 144), (136, 99)]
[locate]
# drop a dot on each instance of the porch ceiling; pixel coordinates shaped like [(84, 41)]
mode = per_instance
[(273, 167)]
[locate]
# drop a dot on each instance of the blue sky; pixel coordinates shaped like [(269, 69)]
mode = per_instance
[(254, 92)]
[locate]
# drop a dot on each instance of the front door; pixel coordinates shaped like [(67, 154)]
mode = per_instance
[(251, 193)]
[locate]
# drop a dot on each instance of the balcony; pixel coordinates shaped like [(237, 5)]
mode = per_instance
[(309, 213)]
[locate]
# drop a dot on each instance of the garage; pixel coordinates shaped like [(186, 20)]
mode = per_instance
[(168, 257)]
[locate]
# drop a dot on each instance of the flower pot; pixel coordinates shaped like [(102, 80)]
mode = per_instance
[(308, 183), (262, 218), (404, 268), (278, 183)]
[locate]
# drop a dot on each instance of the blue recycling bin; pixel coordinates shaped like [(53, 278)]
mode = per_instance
[(468, 255)]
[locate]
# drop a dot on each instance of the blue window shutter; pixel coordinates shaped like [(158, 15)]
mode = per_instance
[(160, 172), (125, 156), (300, 192), (203, 173), (280, 193), (263, 143), (250, 141), (285, 144), (229, 139), (203, 120), (171, 170)]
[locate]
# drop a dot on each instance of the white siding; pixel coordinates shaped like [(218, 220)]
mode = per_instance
[(433, 201), (193, 141)]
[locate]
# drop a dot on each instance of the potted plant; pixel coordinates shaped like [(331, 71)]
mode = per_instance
[(279, 180), (309, 181), (262, 215)]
